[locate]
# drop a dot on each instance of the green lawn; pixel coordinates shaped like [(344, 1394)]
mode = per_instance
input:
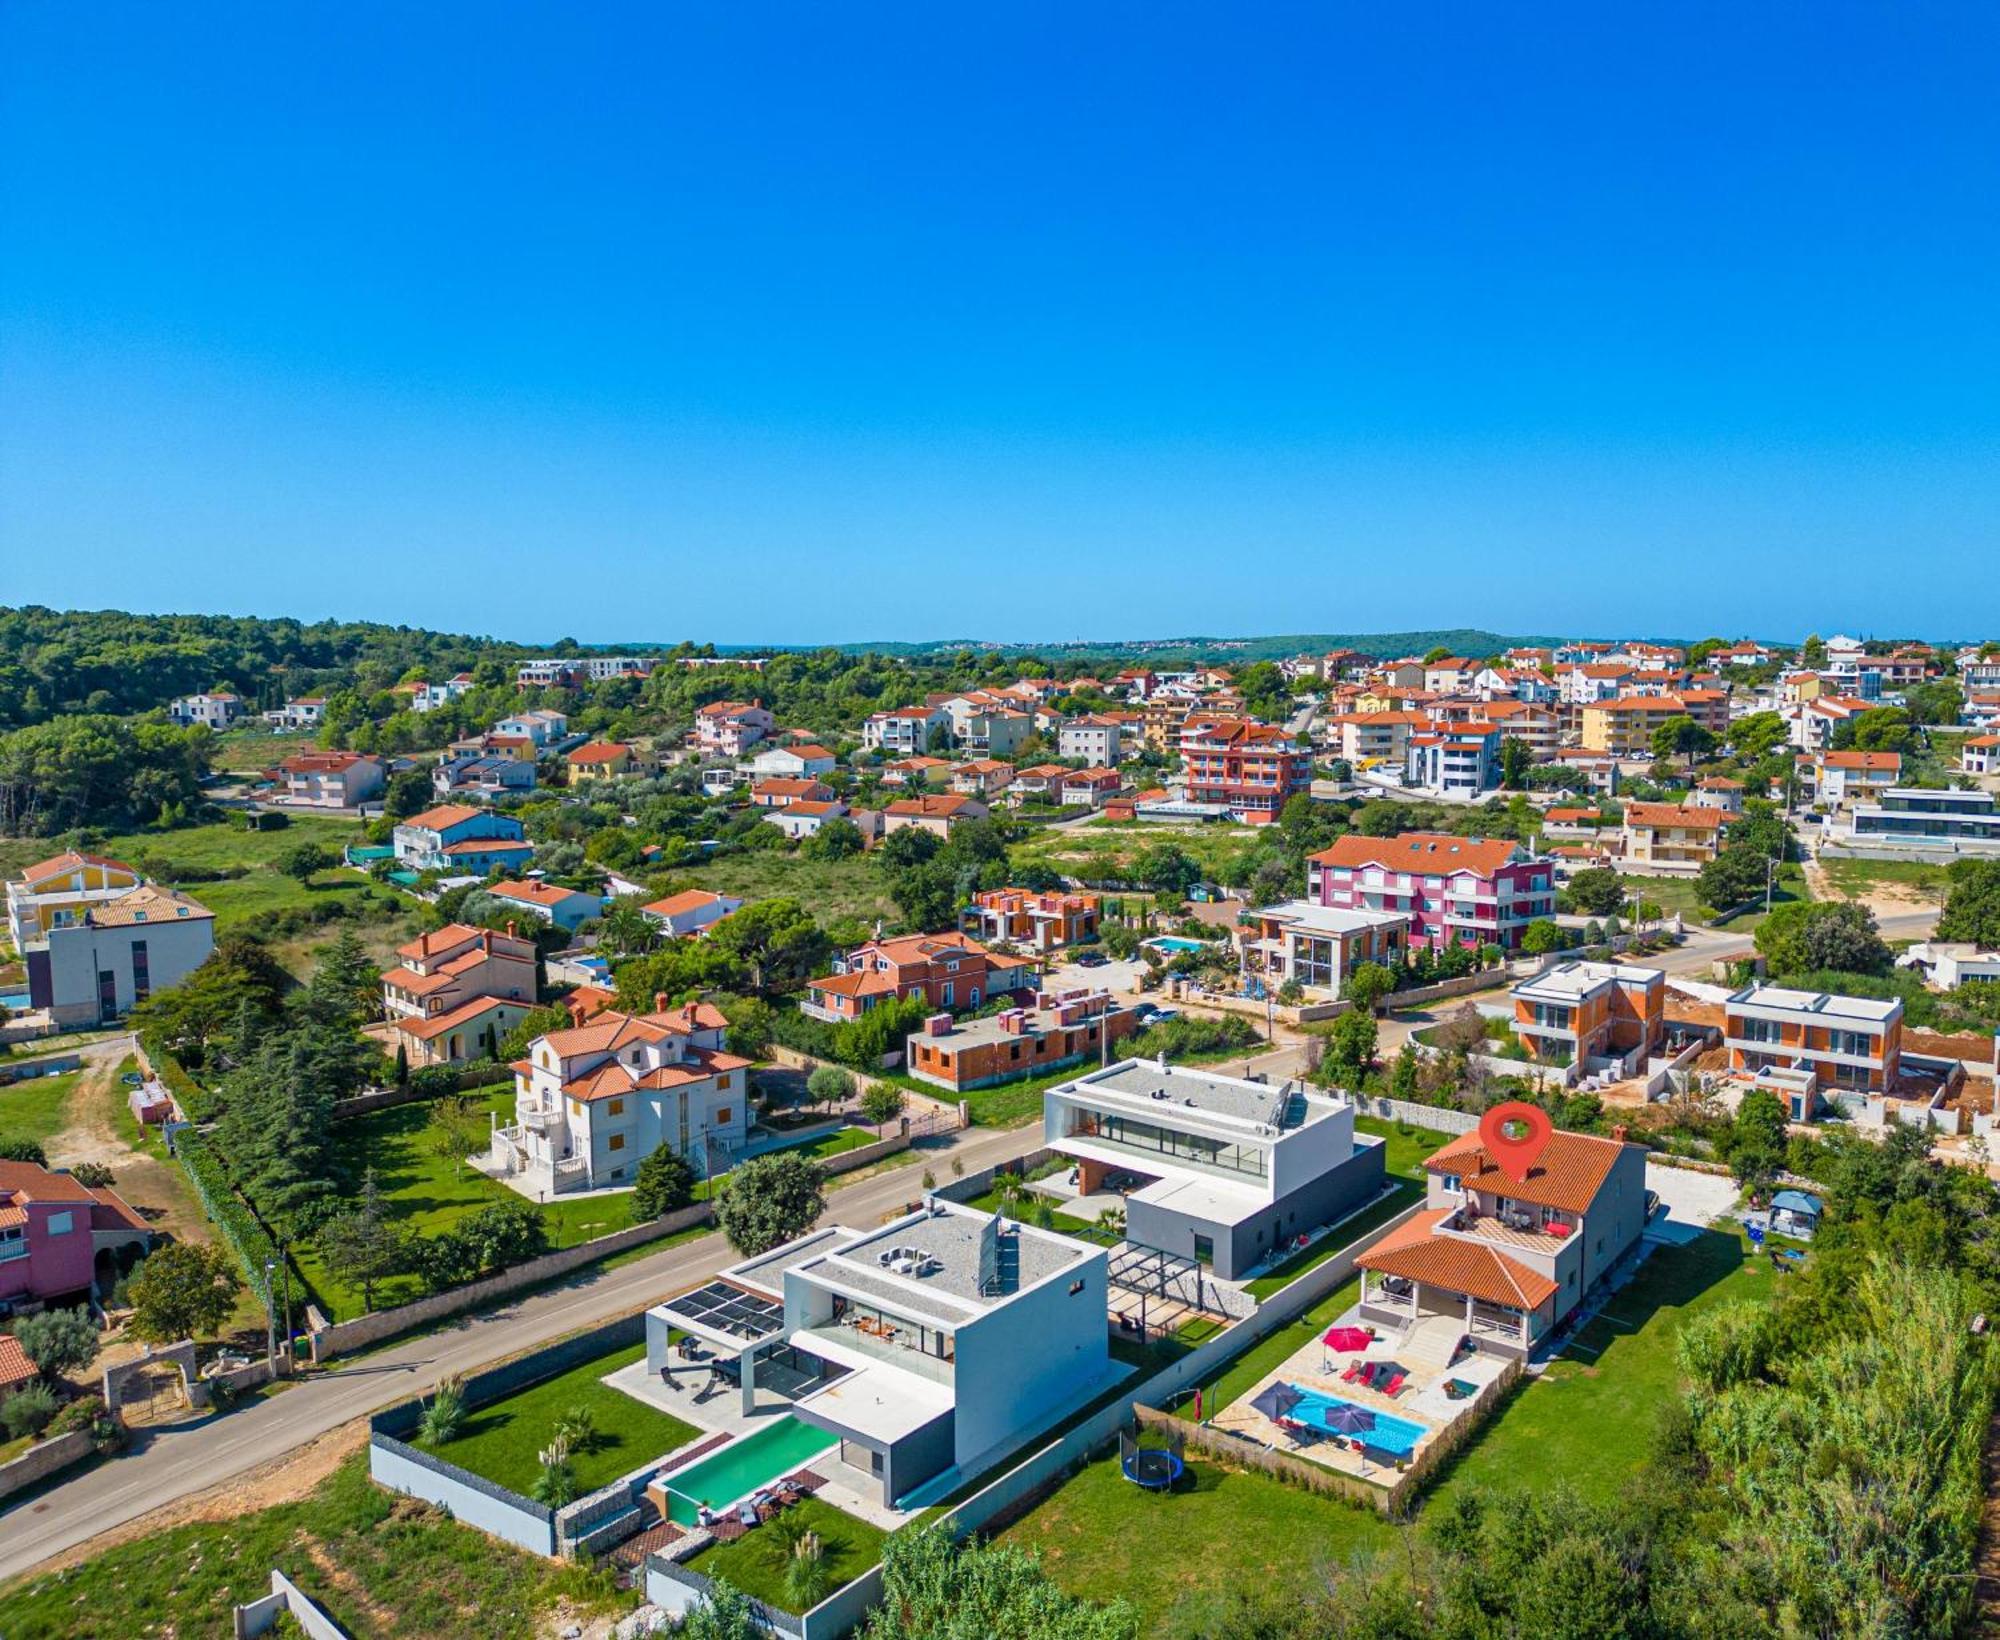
[(1013, 1104), (501, 1440), (178, 856), (752, 1562), (37, 1108), (1102, 847), (1589, 1422), (427, 1192), (1103, 1538), (1678, 894), (1407, 1147), (1589, 1419), (1407, 1195), (381, 1566), (854, 887)]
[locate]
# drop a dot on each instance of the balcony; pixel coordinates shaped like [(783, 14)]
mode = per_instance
[(844, 1335), (1516, 1225)]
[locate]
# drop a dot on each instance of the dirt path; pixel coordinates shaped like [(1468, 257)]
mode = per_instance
[(100, 1129)]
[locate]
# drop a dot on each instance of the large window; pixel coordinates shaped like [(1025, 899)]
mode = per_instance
[(1759, 1030), (870, 1322), (1171, 1143)]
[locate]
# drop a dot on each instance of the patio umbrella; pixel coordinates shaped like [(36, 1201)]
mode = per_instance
[(1349, 1420), (1349, 1338), (1278, 1400)]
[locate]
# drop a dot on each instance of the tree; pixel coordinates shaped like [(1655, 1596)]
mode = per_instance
[(663, 1184), (365, 1247), (1681, 736), (1880, 729), (1368, 984), (1934, 703), (58, 1341), (624, 930), (1754, 1146), (1758, 734), (882, 1104), (1542, 937), (723, 1613), (1403, 1074), (777, 940), (835, 840), (1809, 936), (1972, 904), (934, 1589), (346, 984), (15, 1148), (302, 860), (456, 1129), (96, 1175), (1734, 877), (769, 1200), (183, 1290), (830, 1085), (535, 1022), (1597, 892), (28, 1411), (1515, 760), (1350, 1047)]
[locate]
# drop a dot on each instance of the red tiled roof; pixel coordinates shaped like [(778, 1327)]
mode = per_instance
[(69, 860), (1674, 814), (1459, 1266), (1428, 852), (445, 814), (1568, 1173)]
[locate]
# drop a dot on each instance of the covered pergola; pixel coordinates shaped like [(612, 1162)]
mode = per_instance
[(733, 1321), (1168, 1287)]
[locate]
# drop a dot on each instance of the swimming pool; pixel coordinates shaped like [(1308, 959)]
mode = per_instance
[(736, 1470), (1391, 1434), (1177, 942)]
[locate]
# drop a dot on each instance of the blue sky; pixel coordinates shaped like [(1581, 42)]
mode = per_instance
[(801, 323)]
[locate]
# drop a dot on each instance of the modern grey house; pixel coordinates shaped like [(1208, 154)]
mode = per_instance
[(1214, 1168), (942, 1341)]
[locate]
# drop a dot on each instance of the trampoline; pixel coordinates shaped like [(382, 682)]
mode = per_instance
[(1156, 1468)]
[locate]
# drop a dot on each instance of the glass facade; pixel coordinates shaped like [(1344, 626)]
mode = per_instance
[(1150, 1138)]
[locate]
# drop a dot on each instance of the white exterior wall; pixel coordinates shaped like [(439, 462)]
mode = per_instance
[(174, 949), (1023, 1358)]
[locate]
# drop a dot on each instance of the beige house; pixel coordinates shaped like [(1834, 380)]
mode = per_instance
[(1672, 837)]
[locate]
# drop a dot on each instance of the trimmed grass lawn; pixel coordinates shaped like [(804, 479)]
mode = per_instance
[(1407, 1147), (1407, 1195), (752, 1564), (501, 1440), (1589, 1420), (426, 1192), (1103, 1538), (1672, 894), (37, 1108), (381, 1566)]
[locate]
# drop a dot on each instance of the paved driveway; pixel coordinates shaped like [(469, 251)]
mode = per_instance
[(1689, 1201), (1120, 978)]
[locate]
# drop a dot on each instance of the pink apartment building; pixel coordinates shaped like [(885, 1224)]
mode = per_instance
[(1454, 890)]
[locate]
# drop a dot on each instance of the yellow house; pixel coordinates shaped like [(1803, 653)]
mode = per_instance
[(599, 760), (56, 892), (1624, 727)]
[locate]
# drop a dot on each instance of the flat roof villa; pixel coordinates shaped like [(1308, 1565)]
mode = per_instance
[(932, 1346), (1318, 946), (1217, 1169), (1950, 822), (1580, 1012)]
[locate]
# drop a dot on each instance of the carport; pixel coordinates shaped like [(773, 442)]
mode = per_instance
[(733, 1321)]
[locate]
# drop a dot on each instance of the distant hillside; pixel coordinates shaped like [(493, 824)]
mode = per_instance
[(1462, 641)]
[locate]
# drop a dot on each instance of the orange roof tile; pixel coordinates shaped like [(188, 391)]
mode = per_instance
[(1429, 852), (1463, 1267), (1568, 1173)]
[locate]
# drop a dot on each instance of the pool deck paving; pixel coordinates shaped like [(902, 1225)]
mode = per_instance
[(1317, 1368)]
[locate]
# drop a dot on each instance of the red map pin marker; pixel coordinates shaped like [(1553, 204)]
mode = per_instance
[(1515, 1135)]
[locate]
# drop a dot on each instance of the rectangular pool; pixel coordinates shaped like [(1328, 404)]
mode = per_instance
[(736, 1470), (1391, 1434), (1177, 942)]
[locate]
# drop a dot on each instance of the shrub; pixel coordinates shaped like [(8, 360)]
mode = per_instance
[(444, 1412), (58, 1341), (94, 1174), (1725, 1346), (28, 1411)]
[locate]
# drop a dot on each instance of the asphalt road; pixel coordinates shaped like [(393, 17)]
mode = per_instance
[(172, 1464)]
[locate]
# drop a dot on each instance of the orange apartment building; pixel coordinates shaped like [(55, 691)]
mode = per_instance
[(1854, 1043), (457, 991), (982, 1053), (1672, 837), (949, 972), (1251, 768), (1580, 1011), (1020, 916)]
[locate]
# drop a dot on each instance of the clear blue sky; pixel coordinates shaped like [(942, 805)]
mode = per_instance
[(1030, 321)]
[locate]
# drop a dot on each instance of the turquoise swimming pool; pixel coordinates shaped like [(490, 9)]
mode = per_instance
[(1177, 942), (1391, 1434), (736, 1470)]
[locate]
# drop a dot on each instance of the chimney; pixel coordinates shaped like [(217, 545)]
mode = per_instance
[(659, 1002), (1618, 1132)]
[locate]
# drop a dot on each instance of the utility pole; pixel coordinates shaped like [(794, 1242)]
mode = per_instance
[(270, 1321)]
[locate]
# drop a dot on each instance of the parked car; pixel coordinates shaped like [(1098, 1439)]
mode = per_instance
[(1093, 959)]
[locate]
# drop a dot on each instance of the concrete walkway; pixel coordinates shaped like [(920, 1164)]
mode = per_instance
[(173, 1464)]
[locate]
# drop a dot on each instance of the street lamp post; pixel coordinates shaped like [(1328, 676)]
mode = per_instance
[(270, 1320)]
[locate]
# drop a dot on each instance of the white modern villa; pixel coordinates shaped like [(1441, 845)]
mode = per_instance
[(933, 1346), (1213, 1168), (594, 1101)]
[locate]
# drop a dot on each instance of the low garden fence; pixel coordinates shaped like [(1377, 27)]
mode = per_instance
[(1248, 1454)]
